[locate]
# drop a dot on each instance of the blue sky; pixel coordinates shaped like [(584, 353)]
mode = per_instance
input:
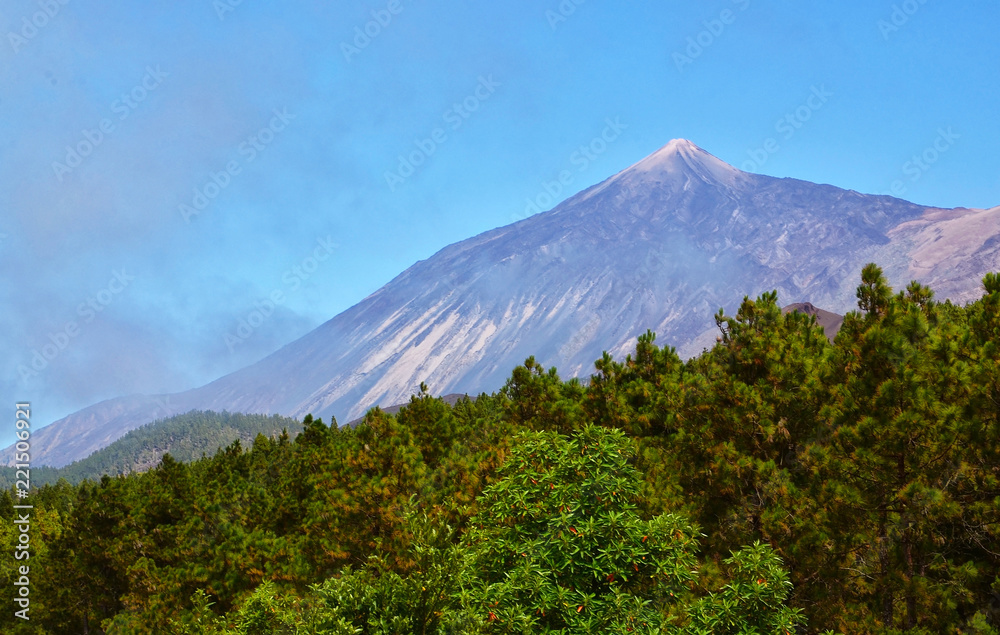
[(166, 167)]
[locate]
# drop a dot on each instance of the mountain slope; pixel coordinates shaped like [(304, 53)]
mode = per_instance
[(831, 322), (661, 245)]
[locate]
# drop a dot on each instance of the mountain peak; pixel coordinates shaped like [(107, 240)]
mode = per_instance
[(676, 168), (679, 146), (681, 157)]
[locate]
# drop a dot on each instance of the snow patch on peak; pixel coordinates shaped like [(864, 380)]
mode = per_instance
[(682, 157), (680, 163), (679, 145)]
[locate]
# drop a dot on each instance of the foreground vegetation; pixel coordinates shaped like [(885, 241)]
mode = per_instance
[(775, 484)]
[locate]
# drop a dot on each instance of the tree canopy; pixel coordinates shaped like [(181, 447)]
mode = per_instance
[(776, 483)]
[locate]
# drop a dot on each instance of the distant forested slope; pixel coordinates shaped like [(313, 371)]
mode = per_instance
[(186, 437)]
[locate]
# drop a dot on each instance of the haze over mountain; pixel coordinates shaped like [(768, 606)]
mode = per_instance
[(661, 245)]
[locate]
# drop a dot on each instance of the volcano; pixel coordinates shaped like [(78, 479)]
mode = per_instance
[(661, 245)]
